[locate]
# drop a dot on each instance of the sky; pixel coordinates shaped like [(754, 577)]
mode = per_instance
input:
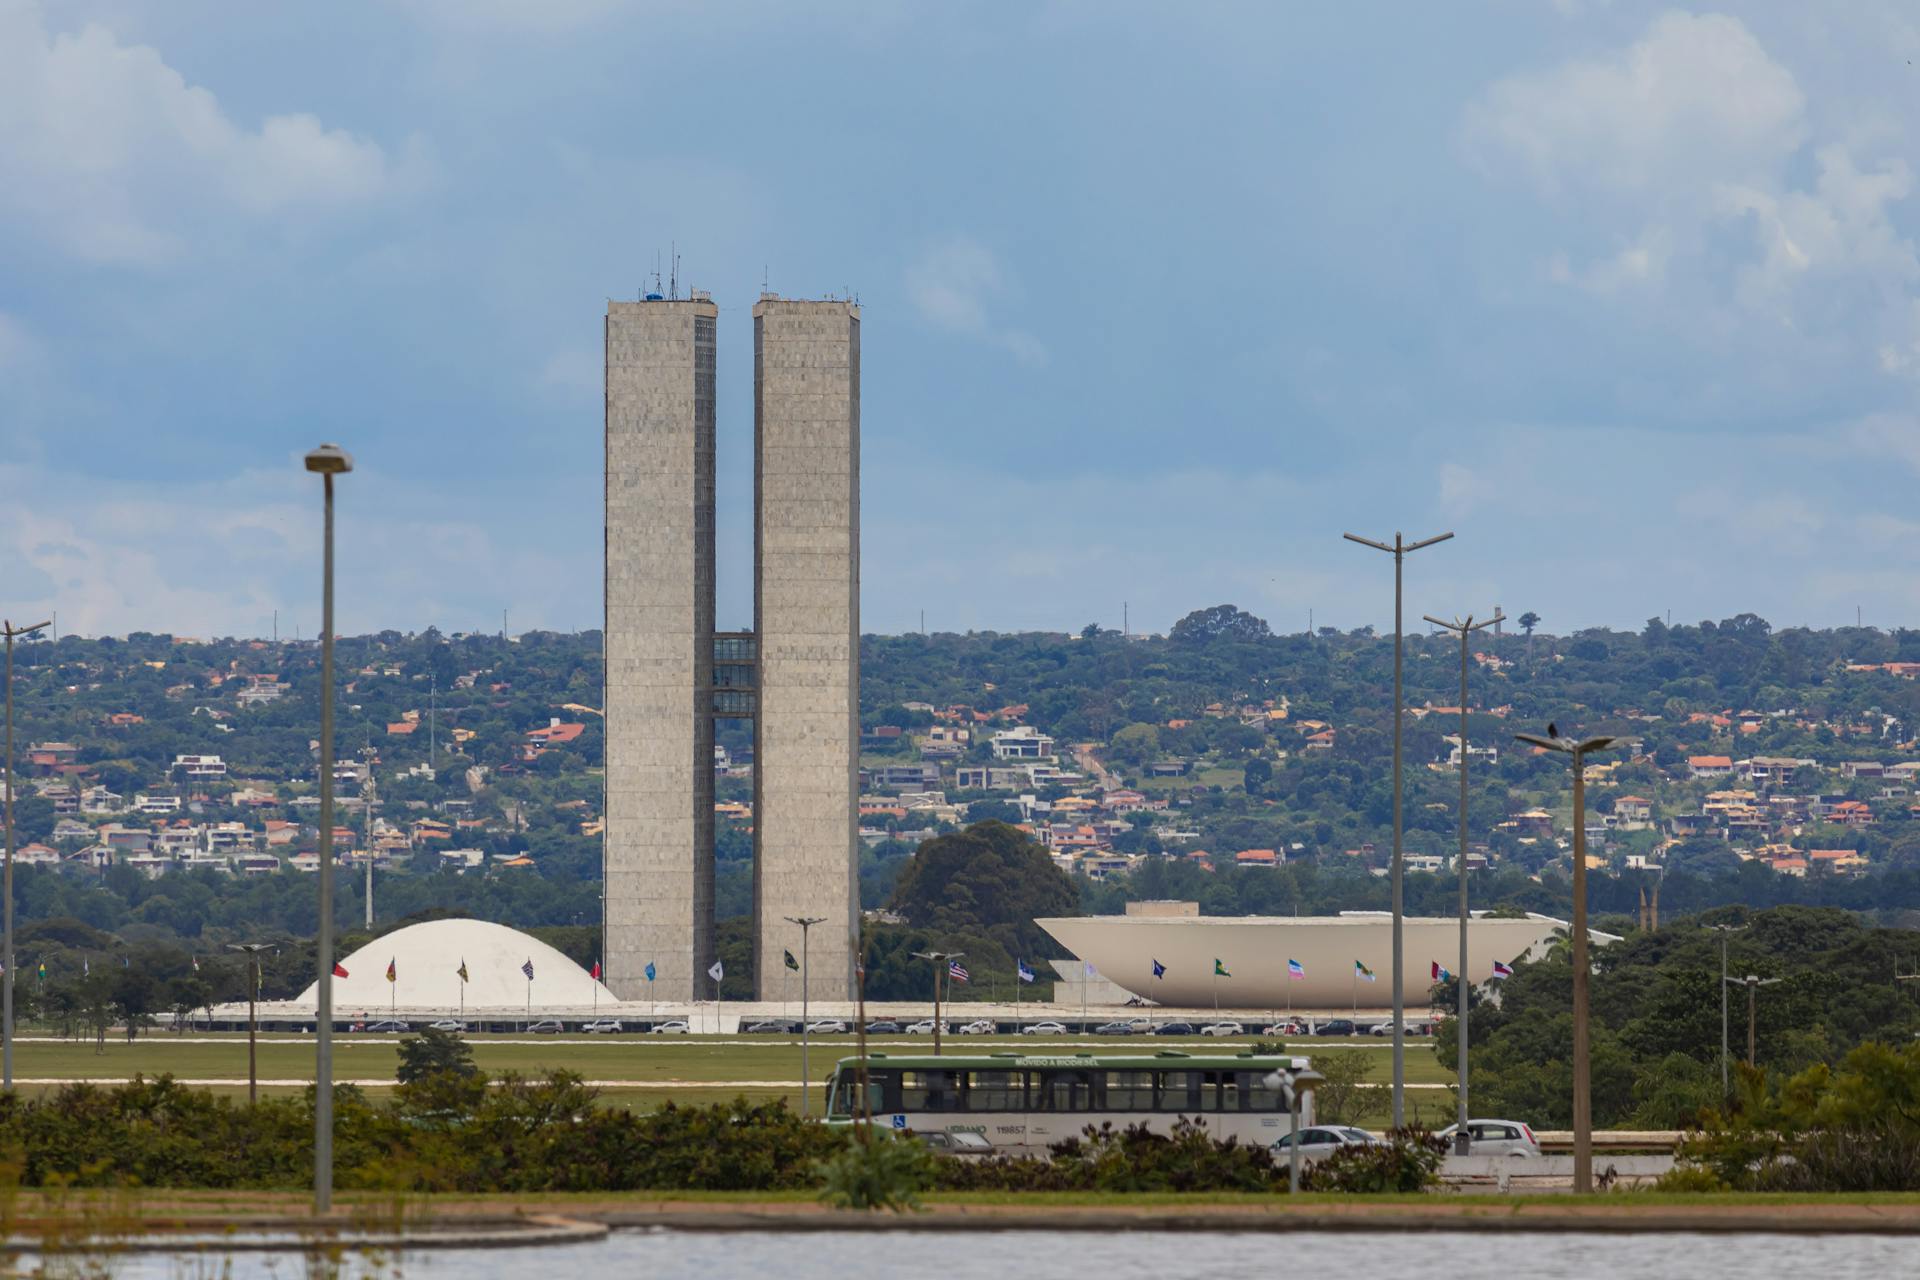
[(1159, 300)]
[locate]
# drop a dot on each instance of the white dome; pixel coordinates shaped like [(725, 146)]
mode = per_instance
[(426, 960)]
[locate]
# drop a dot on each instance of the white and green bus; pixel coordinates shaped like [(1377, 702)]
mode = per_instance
[(1025, 1102)]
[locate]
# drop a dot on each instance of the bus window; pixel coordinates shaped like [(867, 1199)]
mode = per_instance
[(1257, 1095), (1222, 1091), (1129, 1091), (1179, 1090), (996, 1091), (1063, 1090), (930, 1091)]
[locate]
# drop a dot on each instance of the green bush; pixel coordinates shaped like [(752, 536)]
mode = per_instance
[(883, 1172), (1129, 1159), (1408, 1161)]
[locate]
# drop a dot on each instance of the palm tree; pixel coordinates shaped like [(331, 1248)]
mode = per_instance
[(1528, 621)]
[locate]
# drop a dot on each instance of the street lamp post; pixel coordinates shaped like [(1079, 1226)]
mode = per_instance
[(1752, 982), (6, 1015), (328, 461), (939, 958), (252, 950), (1465, 629), (1399, 550), (806, 924), (1723, 930), (1578, 750)]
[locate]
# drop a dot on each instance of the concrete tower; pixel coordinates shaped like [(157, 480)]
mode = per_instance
[(659, 648), (806, 586)]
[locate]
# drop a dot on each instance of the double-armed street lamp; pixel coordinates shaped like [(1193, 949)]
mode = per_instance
[(1752, 982), (328, 461), (806, 924), (252, 951), (1399, 549), (1578, 750), (6, 985), (1726, 1094), (1464, 628), (941, 959), (1293, 1084)]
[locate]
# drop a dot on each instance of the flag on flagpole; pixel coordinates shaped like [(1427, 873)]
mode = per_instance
[(1502, 970), (527, 968), (1220, 969), (1361, 972), (1026, 974), (1296, 970), (717, 972), (1440, 973), (196, 964), (393, 971), (955, 971), (595, 973), (1159, 970), (43, 971), (86, 967), (462, 970), (790, 961), (651, 971), (339, 970)]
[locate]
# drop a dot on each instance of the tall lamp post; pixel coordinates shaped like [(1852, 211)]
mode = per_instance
[(1726, 1091), (252, 951), (806, 924), (940, 960), (1752, 983), (1399, 550), (6, 1016), (1464, 628), (328, 461), (1578, 750)]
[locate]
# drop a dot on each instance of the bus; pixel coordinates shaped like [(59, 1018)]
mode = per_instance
[(1023, 1103)]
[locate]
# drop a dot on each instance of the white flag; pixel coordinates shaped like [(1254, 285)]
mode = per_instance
[(716, 973)]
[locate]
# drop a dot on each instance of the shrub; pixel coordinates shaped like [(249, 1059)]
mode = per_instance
[(882, 1172), (1408, 1161)]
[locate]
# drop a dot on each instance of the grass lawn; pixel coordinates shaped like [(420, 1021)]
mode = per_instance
[(685, 1069)]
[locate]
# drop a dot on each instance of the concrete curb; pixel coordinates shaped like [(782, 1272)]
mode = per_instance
[(289, 1234)]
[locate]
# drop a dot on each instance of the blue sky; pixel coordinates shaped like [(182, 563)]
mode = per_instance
[(1158, 301)]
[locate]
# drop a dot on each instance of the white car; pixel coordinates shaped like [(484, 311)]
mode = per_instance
[(922, 1028), (1223, 1029), (980, 1027), (1324, 1139), (602, 1026), (1495, 1138), (678, 1027), (827, 1027), (1044, 1029), (448, 1024)]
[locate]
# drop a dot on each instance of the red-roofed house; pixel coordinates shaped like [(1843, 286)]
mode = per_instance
[(1257, 858), (1709, 766)]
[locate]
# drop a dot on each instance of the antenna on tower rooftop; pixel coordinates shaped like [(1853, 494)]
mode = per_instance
[(673, 280)]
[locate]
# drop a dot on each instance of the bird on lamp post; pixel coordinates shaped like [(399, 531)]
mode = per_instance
[(1577, 749)]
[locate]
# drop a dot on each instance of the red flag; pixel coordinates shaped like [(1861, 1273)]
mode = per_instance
[(339, 970), (393, 975), (596, 971)]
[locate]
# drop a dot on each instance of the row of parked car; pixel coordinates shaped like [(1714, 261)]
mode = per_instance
[(979, 1027)]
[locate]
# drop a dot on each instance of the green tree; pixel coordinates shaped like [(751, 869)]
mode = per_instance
[(988, 878), (1221, 622), (434, 1052)]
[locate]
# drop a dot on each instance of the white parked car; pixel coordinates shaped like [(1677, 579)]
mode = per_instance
[(1323, 1139), (602, 1026), (924, 1027), (678, 1027), (448, 1024), (827, 1027), (980, 1027), (1043, 1029), (1495, 1138), (1223, 1029)]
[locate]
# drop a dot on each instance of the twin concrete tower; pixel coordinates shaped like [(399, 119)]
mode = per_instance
[(669, 674)]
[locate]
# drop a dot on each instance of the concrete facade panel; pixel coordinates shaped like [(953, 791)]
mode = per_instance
[(807, 616), (659, 647)]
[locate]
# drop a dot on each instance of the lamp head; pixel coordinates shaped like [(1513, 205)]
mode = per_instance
[(329, 459)]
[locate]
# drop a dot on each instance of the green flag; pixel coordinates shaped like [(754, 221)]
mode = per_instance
[(791, 962), (1220, 970)]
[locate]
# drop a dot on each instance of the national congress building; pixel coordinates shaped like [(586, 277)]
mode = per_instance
[(669, 673)]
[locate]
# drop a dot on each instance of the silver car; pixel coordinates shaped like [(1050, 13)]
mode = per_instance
[(1495, 1138), (1324, 1139)]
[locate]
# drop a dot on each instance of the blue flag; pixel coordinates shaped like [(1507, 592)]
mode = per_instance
[(1159, 970), (1026, 974), (650, 971)]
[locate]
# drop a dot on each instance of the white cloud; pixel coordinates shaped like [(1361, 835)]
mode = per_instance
[(1680, 167), (952, 285), (110, 154)]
